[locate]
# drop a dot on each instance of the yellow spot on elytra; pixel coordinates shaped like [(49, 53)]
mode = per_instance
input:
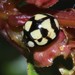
[(39, 16)]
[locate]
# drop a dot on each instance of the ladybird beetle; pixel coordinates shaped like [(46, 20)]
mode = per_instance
[(40, 30)]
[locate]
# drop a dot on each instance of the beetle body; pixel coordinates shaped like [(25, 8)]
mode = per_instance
[(40, 30)]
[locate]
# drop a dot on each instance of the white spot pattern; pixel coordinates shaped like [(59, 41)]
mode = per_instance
[(28, 25), (43, 42), (36, 34), (39, 16), (31, 44)]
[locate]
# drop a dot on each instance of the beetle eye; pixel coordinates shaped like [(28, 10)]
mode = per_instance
[(41, 29)]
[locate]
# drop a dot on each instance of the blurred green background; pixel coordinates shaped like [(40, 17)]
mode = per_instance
[(11, 61)]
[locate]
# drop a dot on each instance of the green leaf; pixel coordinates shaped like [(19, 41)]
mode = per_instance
[(31, 70)]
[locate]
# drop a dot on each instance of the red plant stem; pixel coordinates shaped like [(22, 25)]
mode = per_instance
[(65, 18)]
